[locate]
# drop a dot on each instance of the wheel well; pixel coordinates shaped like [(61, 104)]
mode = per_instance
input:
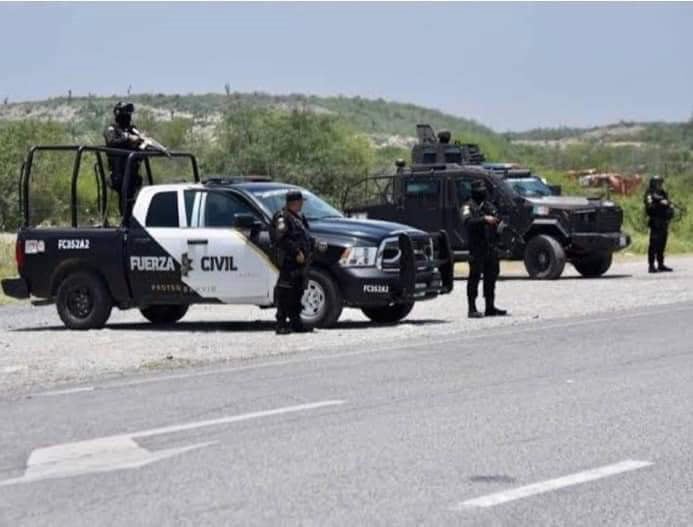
[(548, 230), (325, 269), (73, 266)]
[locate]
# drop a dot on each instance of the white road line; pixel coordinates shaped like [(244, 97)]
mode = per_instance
[(552, 484), (234, 418), (53, 393)]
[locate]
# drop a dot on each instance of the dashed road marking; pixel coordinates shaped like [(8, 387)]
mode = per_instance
[(499, 498)]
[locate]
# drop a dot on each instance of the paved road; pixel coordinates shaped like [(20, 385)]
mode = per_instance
[(580, 422)]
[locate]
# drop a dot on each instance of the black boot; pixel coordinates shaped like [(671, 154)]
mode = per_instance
[(473, 313), (282, 329), (664, 269), (652, 269), (298, 327), (492, 310)]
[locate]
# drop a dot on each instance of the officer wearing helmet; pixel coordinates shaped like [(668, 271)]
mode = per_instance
[(122, 134), (659, 212), (293, 246), (482, 221)]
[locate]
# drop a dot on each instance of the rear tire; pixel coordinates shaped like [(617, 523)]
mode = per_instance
[(388, 314), (164, 314), (544, 258), (322, 300), (593, 265), (83, 301)]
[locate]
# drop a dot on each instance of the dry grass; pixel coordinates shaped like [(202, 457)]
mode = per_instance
[(7, 264)]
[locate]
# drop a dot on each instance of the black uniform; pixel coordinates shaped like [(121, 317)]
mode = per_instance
[(120, 135), (483, 252), (659, 213), (291, 238)]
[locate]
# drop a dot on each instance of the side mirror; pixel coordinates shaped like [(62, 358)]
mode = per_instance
[(245, 221), (555, 190)]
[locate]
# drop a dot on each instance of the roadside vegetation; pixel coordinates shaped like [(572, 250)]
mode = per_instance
[(325, 143), (7, 264)]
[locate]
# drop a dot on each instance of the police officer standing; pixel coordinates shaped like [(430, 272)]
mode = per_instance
[(481, 221), (659, 213), (293, 248), (122, 134)]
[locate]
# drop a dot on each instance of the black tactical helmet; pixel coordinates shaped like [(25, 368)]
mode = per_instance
[(656, 180), (122, 108), (294, 195), (478, 190)]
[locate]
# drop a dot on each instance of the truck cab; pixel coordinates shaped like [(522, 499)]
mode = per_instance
[(209, 242), (543, 229)]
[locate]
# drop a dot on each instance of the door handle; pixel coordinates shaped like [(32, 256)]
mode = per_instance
[(140, 241), (198, 242)]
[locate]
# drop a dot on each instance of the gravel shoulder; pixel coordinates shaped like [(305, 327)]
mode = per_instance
[(36, 352)]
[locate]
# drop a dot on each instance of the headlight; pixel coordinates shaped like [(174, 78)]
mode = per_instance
[(358, 257), (541, 210)]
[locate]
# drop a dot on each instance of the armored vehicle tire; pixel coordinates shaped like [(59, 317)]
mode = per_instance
[(544, 258), (164, 314), (593, 265), (388, 314), (83, 301), (322, 300)]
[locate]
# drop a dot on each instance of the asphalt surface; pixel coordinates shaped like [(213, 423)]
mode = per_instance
[(405, 435)]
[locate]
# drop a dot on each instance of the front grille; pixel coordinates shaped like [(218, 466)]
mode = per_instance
[(389, 254), (607, 219)]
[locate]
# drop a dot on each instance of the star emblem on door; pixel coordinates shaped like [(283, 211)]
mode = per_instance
[(185, 264)]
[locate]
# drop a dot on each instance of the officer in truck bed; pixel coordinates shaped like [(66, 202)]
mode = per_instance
[(122, 134), (481, 221), (293, 251)]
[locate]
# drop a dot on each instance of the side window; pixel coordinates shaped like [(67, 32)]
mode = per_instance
[(221, 207), (163, 210), (464, 190), (422, 189)]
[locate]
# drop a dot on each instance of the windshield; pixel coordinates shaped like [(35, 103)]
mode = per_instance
[(529, 187), (314, 208)]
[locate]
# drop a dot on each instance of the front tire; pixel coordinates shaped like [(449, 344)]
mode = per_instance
[(322, 301), (83, 301), (593, 265), (388, 314), (544, 258), (164, 314)]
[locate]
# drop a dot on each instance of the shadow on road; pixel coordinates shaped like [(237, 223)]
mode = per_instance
[(527, 278), (225, 326)]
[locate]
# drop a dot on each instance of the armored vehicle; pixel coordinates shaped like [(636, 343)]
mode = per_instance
[(209, 242), (544, 230)]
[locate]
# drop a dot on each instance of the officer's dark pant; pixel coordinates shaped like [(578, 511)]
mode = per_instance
[(289, 292), (658, 243), (488, 266)]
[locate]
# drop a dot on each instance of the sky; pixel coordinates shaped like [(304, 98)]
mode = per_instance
[(510, 66)]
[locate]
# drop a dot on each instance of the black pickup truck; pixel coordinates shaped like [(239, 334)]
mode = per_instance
[(186, 243), (543, 229)]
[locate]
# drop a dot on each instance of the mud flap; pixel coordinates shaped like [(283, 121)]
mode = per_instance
[(446, 261), (407, 269), (15, 287)]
